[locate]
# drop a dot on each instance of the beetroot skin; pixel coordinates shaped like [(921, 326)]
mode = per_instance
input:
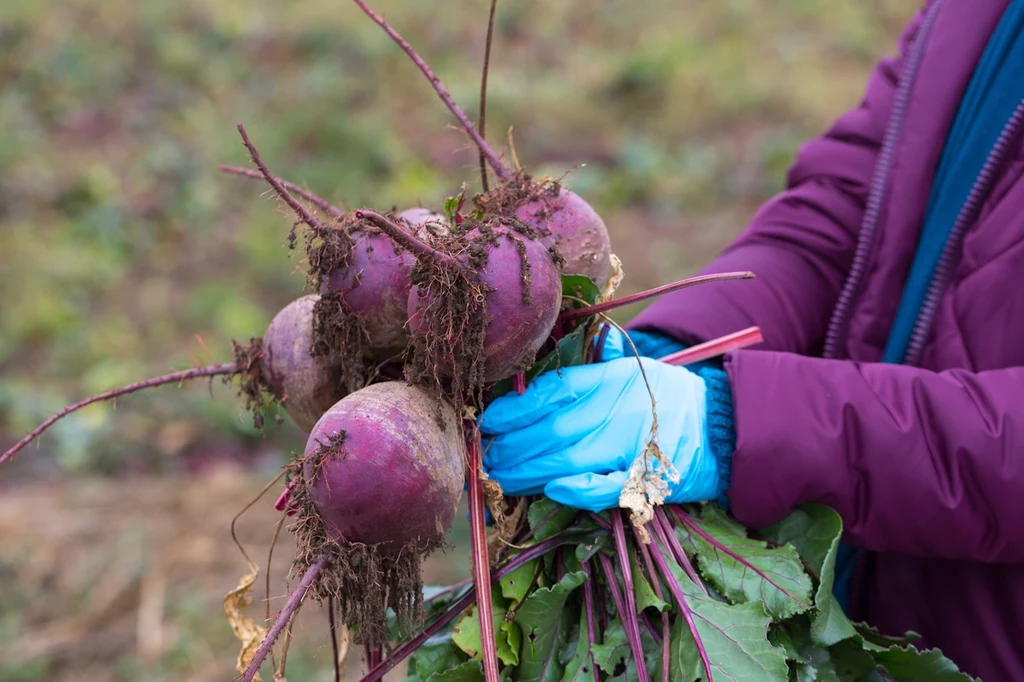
[(380, 298), (306, 386), (521, 306), (568, 223), (381, 471)]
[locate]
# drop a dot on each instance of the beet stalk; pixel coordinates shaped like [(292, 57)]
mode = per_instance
[(174, 378), (298, 595), (319, 202)]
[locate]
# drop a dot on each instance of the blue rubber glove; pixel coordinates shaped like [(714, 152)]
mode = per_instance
[(575, 432)]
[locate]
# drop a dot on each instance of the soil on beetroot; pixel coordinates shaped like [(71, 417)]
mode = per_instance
[(362, 580), (253, 389)]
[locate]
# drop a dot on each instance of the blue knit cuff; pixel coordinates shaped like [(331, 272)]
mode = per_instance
[(652, 344), (720, 426)]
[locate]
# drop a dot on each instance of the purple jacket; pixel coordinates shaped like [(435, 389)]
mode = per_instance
[(925, 463)]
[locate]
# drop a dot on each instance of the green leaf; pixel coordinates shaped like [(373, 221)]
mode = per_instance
[(516, 585), (734, 637), (642, 589), (580, 287), (466, 633), (813, 662), (545, 623), (434, 658), (872, 636), (745, 569), (578, 668), (912, 665), (613, 649), (470, 671), (547, 518), (850, 660), (814, 530), (451, 207)]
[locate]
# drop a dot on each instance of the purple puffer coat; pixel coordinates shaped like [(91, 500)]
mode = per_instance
[(925, 462)]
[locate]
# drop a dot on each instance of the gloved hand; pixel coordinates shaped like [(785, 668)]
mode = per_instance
[(575, 432)]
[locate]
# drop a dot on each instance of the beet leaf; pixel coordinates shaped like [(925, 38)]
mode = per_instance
[(814, 530), (546, 625), (744, 569)]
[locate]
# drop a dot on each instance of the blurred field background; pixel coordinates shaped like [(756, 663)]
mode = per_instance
[(125, 254)]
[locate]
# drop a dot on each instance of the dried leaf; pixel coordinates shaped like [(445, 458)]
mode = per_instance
[(246, 630), (647, 485), (614, 280)]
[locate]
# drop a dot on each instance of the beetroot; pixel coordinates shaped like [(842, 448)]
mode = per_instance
[(567, 222), (306, 386), (372, 284), (383, 472), (485, 299), (517, 278)]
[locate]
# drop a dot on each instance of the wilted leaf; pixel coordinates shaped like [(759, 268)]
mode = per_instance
[(244, 628)]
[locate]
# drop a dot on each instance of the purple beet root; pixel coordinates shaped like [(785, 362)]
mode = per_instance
[(382, 472), (567, 222), (522, 291), (306, 386), (424, 219), (376, 284)]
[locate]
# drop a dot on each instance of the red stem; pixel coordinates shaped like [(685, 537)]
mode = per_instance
[(481, 561), (294, 601), (483, 92), (299, 209), (405, 238), (604, 307), (500, 169), (319, 202), (286, 494), (712, 349), (673, 546), (619, 532), (656, 584), (519, 382), (176, 377), (462, 603), (677, 592)]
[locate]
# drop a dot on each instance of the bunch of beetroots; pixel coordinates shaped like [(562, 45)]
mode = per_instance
[(412, 315)]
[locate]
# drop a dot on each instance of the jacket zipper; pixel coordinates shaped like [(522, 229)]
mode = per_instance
[(865, 242), (968, 213), (876, 193)]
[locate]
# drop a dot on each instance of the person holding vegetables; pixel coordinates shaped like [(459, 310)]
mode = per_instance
[(890, 385)]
